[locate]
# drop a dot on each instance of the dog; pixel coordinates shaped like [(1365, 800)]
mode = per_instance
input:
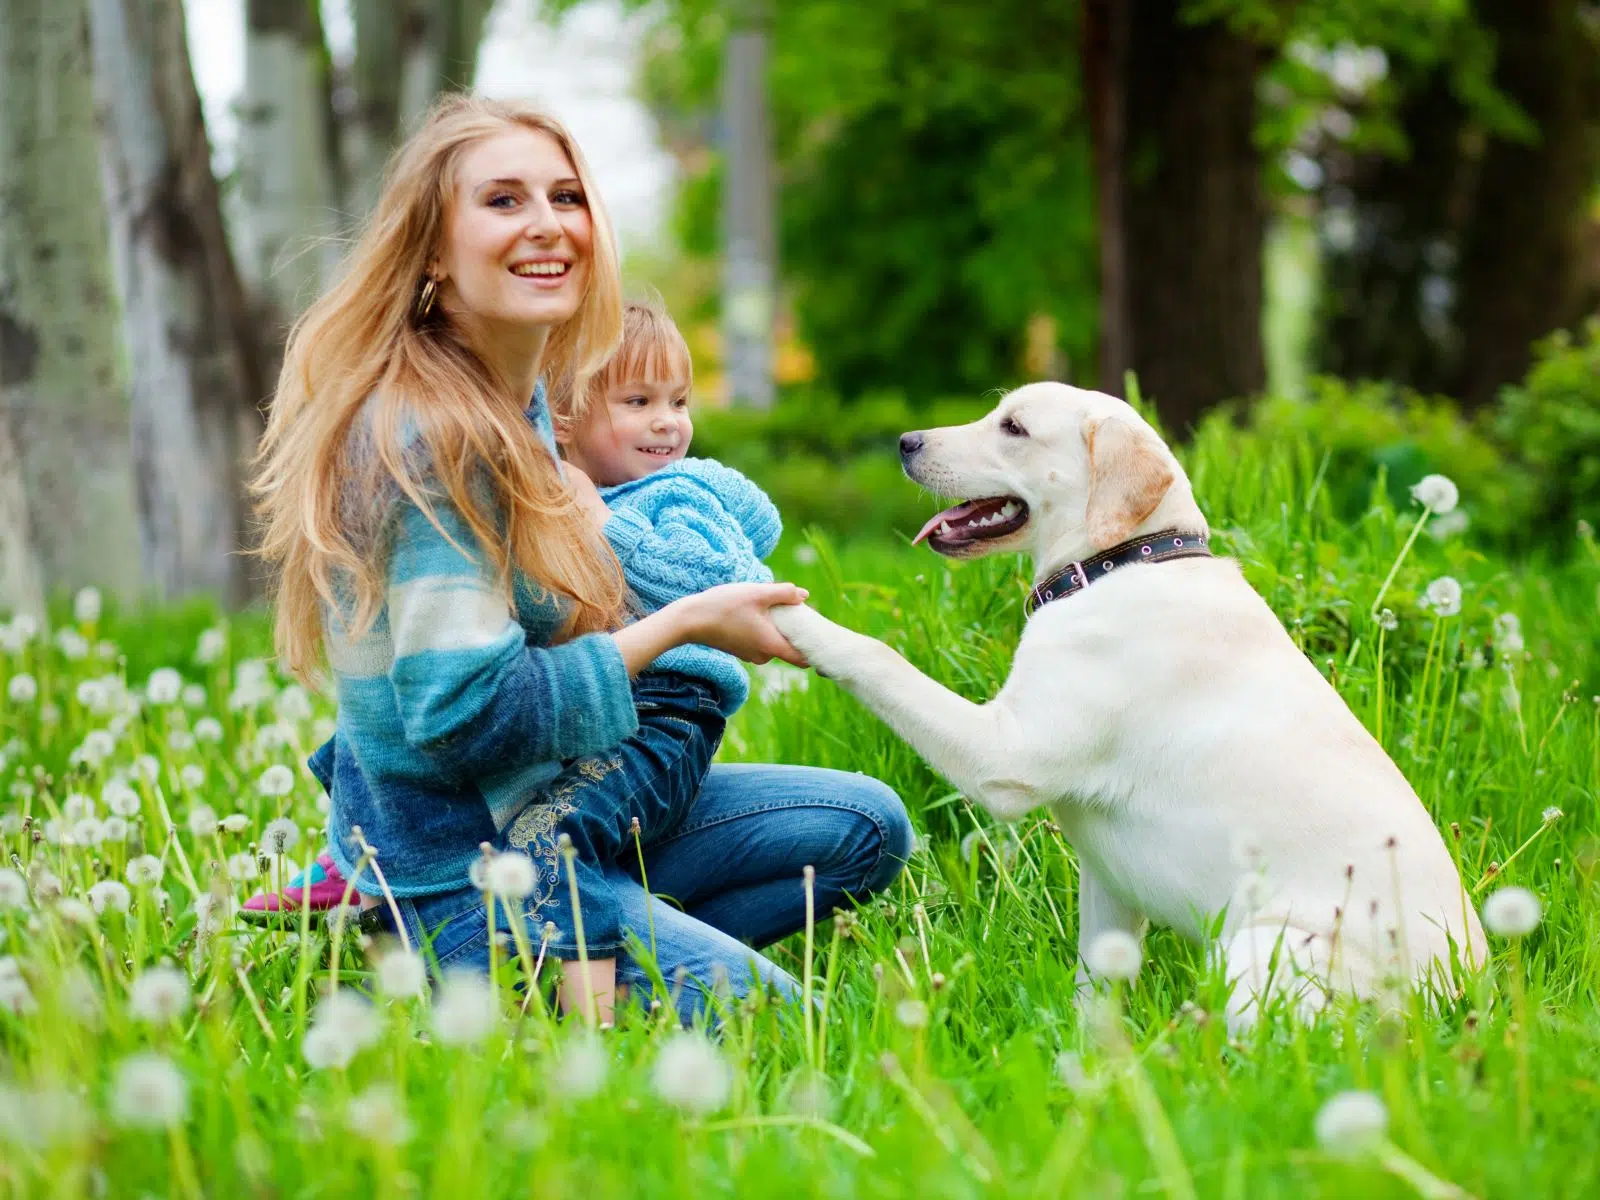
[(1207, 775)]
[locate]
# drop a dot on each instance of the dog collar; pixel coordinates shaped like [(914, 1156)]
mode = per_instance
[(1157, 547)]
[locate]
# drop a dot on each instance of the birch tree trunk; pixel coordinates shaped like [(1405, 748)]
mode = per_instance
[(285, 185), (196, 378), (68, 495)]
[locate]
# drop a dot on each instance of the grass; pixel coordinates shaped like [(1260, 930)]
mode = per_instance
[(949, 1060)]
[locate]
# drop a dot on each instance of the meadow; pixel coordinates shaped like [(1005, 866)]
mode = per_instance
[(151, 1044)]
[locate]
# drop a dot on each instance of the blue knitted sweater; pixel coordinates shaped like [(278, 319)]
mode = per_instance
[(686, 528)]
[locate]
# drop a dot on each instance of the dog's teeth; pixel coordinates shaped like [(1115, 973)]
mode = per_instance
[(944, 528), (1009, 511)]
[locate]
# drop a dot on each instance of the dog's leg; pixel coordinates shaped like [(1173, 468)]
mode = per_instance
[(975, 746), (1099, 912), (1270, 964)]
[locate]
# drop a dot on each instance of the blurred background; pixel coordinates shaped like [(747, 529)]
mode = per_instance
[(1373, 223)]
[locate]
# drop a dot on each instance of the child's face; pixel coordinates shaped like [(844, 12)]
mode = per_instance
[(639, 427)]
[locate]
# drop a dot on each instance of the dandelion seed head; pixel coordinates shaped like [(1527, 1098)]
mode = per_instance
[(689, 1074), (149, 1092), (86, 605), (1551, 815), (110, 894), (243, 867), (280, 836), (276, 780), (120, 799), (164, 686), (202, 821), (194, 695), (378, 1115), (211, 645), (1438, 493), (1512, 912), (913, 1014), (1114, 954), (1387, 621), (192, 776), (466, 1010), (22, 689), (580, 1071), (145, 869), (235, 823), (401, 974), (73, 645), (159, 995), (13, 890), (511, 875), (115, 830), (75, 912), (208, 729), (1444, 596), (1351, 1124)]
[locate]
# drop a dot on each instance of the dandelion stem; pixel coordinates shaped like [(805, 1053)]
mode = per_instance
[(587, 987), (769, 1120), (644, 881), (809, 877), (1395, 568)]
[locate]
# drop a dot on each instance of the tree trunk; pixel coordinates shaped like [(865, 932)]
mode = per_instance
[(21, 585), (1105, 62), (196, 378), (1192, 217), (406, 54), (1522, 259), (285, 185), (749, 211), (61, 388), (1388, 257)]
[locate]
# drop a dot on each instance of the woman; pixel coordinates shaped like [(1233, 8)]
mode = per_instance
[(430, 547)]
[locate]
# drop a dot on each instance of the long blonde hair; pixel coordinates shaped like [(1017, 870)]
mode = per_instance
[(442, 423)]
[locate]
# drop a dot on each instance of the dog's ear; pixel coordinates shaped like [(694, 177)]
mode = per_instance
[(1127, 479)]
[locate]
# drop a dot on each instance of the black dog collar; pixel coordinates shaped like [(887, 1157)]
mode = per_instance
[(1158, 547)]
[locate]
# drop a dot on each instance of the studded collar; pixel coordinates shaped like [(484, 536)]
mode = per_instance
[(1156, 547)]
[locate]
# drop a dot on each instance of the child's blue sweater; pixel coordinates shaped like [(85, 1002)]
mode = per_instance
[(686, 528)]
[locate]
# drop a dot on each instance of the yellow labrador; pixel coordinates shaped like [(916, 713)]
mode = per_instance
[(1197, 761)]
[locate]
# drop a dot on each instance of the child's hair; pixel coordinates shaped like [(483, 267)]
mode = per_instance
[(652, 347)]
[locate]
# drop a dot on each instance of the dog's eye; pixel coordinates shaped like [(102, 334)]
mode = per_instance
[(1011, 428)]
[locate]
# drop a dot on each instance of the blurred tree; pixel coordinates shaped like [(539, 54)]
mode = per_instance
[(287, 199), (1456, 238), (63, 396), (191, 348)]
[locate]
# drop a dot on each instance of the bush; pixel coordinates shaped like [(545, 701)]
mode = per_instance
[(1551, 424)]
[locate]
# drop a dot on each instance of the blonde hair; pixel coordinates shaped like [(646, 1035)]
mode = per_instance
[(652, 347), (374, 403)]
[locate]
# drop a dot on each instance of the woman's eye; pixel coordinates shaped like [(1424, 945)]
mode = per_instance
[(1011, 428), (568, 196), (502, 200)]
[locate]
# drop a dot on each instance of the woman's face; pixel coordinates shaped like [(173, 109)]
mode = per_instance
[(518, 242)]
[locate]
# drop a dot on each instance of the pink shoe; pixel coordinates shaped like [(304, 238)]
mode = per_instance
[(326, 890)]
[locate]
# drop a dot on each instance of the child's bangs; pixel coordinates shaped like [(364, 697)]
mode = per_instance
[(652, 348)]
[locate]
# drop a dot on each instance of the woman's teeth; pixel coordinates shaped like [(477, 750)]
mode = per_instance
[(540, 268)]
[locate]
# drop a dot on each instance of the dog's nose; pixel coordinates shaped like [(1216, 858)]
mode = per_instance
[(910, 443)]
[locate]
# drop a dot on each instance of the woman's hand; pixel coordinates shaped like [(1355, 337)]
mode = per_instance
[(587, 495), (735, 617)]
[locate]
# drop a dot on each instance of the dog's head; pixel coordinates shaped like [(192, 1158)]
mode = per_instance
[(1054, 471)]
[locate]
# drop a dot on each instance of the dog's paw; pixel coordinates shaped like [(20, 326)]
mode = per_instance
[(824, 644)]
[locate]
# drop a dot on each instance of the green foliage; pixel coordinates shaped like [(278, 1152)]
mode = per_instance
[(1551, 423)]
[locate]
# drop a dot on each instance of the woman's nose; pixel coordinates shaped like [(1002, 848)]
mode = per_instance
[(542, 222)]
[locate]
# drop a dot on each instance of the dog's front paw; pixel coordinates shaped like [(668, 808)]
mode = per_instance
[(825, 645)]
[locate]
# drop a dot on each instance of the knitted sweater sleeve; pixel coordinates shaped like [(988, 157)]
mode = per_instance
[(471, 693), (677, 534)]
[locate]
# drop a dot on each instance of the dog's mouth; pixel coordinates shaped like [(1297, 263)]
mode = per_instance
[(964, 526)]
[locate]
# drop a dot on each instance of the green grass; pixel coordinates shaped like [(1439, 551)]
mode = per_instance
[(963, 1091)]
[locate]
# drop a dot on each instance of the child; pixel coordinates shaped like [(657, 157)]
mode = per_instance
[(678, 525)]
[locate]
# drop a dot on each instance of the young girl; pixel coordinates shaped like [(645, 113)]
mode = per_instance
[(678, 526)]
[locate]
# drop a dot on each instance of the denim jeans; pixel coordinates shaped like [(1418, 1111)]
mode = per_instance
[(734, 871), (653, 777)]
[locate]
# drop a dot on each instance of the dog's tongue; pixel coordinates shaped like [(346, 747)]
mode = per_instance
[(959, 513)]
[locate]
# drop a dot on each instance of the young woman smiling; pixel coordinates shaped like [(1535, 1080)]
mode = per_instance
[(431, 549)]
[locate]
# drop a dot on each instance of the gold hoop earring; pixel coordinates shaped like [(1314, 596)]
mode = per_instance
[(430, 292)]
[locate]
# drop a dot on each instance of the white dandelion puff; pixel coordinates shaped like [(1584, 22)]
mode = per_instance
[(143, 870), (1114, 954), (1387, 621), (212, 914), (114, 829), (1351, 1124), (280, 836), (276, 780), (401, 974), (164, 686), (110, 894), (1512, 912), (913, 1014), (208, 729), (73, 645), (98, 745), (13, 889), (149, 1092), (1444, 596), (580, 1072), (120, 798), (1551, 815), (466, 1010), (160, 995), (76, 807), (1437, 493), (75, 912), (210, 646), (22, 689), (86, 606), (378, 1115), (192, 776), (202, 820), (691, 1075), (235, 823), (511, 875), (293, 703), (87, 832), (181, 741), (243, 867), (194, 695)]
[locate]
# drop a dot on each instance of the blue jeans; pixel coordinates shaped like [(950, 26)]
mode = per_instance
[(734, 869)]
